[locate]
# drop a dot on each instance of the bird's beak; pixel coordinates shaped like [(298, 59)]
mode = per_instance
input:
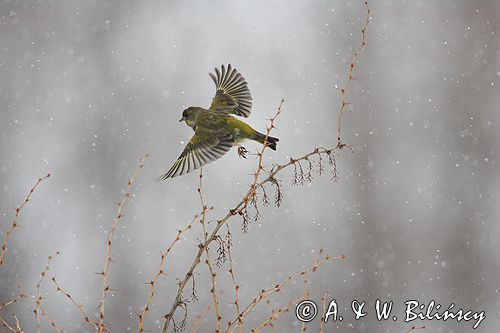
[(181, 120)]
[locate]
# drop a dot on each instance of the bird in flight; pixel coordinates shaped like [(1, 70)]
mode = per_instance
[(216, 131)]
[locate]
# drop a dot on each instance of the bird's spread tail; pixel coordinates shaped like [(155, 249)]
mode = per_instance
[(271, 141)]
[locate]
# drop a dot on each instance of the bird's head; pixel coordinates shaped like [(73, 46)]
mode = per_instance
[(189, 115)]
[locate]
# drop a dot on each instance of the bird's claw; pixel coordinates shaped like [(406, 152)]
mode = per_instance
[(242, 152)]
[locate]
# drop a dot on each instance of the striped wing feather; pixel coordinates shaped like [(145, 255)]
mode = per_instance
[(232, 94), (204, 147)]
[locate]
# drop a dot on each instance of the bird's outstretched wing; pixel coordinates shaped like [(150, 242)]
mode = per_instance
[(232, 94), (204, 147)]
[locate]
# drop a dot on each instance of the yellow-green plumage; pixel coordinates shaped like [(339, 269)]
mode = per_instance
[(215, 130)]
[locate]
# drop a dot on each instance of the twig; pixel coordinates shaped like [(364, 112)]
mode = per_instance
[(14, 224), (152, 283), (343, 90), (118, 216), (18, 324), (236, 287), (78, 306), (306, 283), (277, 288), (276, 314), (21, 296), (323, 302), (6, 325), (213, 291), (38, 297), (414, 328), (54, 326)]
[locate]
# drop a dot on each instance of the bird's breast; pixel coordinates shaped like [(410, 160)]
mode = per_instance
[(239, 138)]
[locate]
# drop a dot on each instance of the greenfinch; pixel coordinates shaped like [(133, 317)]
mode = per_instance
[(215, 130)]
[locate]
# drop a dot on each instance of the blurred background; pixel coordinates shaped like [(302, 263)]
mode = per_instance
[(88, 87)]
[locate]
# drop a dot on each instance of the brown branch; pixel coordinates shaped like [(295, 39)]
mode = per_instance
[(323, 302), (414, 328), (43, 312), (52, 324), (343, 90), (303, 327), (14, 224), (271, 310), (78, 306), (236, 287), (38, 298), (276, 314), (6, 325), (152, 283), (276, 289), (18, 323), (22, 295), (107, 263), (213, 290)]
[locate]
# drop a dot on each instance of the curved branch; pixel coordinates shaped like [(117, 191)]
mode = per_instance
[(14, 224)]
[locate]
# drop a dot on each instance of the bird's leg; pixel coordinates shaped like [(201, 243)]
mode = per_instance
[(242, 152)]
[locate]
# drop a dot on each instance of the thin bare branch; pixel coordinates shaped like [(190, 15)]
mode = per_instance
[(7, 326), (277, 313), (414, 328), (86, 318), (18, 323), (22, 295), (208, 261), (38, 298), (14, 224), (322, 322), (236, 288), (161, 271), (52, 324), (276, 289), (107, 263), (354, 62)]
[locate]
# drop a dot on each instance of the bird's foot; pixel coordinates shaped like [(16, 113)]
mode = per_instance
[(242, 152)]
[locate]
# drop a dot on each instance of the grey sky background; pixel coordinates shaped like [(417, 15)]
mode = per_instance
[(87, 87)]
